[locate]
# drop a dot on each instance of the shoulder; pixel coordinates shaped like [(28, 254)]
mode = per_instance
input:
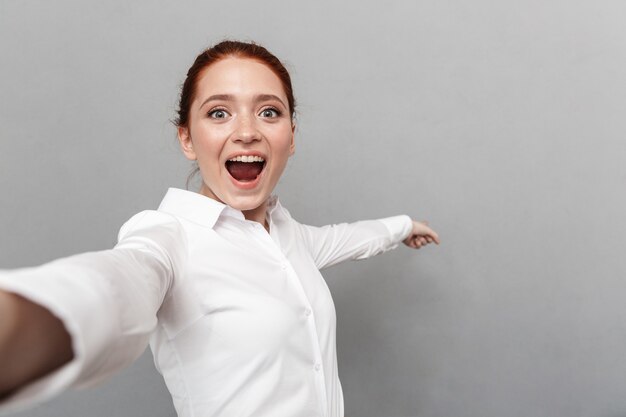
[(155, 230), (150, 223), (159, 234)]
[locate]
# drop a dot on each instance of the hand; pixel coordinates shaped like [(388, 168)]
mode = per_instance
[(33, 342), (421, 235)]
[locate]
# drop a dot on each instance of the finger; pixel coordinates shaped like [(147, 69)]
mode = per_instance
[(430, 232), (434, 236)]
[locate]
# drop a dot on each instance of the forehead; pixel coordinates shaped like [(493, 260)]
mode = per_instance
[(238, 77)]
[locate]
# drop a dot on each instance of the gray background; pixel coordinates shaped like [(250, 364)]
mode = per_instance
[(500, 122)]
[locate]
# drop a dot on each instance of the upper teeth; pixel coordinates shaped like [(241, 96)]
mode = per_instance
[(246, 158)]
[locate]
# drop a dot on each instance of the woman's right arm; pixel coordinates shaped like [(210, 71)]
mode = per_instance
[(33, 342), (106, 303)]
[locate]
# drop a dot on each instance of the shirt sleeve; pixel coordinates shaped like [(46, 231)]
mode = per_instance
[(107, 300), (336, 243)]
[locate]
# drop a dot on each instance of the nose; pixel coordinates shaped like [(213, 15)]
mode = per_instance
[(246, 130)]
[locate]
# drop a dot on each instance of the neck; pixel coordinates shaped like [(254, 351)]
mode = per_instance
[(255, 214)]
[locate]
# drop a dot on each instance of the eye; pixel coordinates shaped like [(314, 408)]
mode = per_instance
[(270, 112), (218, 114)]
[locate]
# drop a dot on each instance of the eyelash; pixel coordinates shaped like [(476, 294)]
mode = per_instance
[(274, 109), (212, 112)]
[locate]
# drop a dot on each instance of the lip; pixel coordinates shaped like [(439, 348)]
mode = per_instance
[(245, 153), (247, 185)]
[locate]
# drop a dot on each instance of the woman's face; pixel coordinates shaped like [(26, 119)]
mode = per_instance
[(240, 132)]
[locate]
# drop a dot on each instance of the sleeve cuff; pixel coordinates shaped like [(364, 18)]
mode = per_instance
[(399, 227), (34, 284)]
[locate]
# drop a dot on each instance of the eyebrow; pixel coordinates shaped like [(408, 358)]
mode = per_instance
[(229, 97)]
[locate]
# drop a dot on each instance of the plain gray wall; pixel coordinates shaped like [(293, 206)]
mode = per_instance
[(500, 122)]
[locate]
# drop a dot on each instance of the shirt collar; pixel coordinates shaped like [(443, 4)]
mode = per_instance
[(192, 206), (201, 209)]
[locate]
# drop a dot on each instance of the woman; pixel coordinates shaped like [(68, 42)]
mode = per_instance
[(223, 284)]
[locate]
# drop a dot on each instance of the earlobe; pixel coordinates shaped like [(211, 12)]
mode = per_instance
[(186, 144)]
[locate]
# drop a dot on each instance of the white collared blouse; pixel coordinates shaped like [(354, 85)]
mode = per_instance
[(240, 321)]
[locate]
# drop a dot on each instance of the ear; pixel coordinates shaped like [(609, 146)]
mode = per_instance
[(185, 143), (292, 147)]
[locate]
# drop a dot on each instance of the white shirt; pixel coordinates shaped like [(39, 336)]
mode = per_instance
[(240, 321)]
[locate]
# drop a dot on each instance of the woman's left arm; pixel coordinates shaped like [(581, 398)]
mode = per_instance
[(336, 243)]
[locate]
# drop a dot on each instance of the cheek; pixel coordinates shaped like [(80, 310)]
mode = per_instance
[(284, 139), (207, 143)]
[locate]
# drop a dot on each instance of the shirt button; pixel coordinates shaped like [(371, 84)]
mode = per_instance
[(318, 366), (307, 312), (283, 266)]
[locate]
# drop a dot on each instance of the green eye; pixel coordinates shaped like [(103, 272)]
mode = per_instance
[(270, 113), (218, 114)]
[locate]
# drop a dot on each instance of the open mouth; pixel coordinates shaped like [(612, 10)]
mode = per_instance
[(245, 168)]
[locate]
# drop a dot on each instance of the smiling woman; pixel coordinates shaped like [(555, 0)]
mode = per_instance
[(241, 131), (223, 284)]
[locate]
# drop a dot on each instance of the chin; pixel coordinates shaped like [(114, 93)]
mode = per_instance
[(246, 203)]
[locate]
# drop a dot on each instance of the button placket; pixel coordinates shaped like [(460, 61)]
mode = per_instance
[(317, 369), (310, 323)]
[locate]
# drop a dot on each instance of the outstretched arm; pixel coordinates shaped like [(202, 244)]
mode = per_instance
[(75, 321), (33, 342), (332, 244)]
